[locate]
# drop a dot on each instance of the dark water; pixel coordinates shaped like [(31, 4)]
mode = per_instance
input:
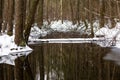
[(63, 62)]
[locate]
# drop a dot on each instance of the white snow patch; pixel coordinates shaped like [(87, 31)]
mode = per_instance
[(9, 51), (62, 27)]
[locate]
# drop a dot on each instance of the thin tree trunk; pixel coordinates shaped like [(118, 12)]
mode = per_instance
[(19, 22), (41, 62), (18, 69), (10, 17), (47, 7), (112, 13), (40, 13), (61, 11), (91, 22), (102, 13), (72, 14), (1, 9), (5, 15), (77, 12), (30, 19), (28, 69), (24, 12), (1, 72)]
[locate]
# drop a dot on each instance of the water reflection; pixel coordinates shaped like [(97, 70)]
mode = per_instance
[(74, 62), (67, 62), (114, 55)]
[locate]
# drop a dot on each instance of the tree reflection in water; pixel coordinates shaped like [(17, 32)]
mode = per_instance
[(69, 62)]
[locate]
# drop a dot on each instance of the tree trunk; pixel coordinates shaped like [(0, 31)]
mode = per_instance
[(41, 62), (30, 19), (5, 15), (91, 22), (19, 22), (40, 14), (24, 12), (72, 14), (1, 72), (112, 17), (18, 69), (28, 69), (1, 7), (77, 12), (102, 13), (10, 17), (61, 7)]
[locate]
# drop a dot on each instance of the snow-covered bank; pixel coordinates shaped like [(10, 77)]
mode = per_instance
[(111, 34), (58, 26), (9, 51), (67, 26)]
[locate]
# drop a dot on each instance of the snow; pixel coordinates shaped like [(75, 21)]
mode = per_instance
[(58, 26), (108, 34), (62, 27), (9, 51)]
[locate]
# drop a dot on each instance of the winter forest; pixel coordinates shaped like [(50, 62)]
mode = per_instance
[(59, 39)]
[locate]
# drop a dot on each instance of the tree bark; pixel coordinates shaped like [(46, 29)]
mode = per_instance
[(91, 18), (10, 17), (5, 15), (41, 62), (102, 13), (1, 7), (112, 17), (1, 72), (19, 22), (40, 13), (72, 14), (61, 7), (77, 12), (18, 69), (30, 19)]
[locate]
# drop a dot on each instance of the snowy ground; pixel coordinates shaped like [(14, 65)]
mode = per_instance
[(9, 51)]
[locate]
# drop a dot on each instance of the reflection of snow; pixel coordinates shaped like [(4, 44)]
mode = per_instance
[(7, 45), (9, 51), (114, 55)]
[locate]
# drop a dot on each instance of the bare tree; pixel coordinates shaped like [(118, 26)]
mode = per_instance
[(19, 22), (72, 15), (61, 9), (40, 13), (5, 15), (112, 15), (10, 17), (91, 18), (1, 7), (30, 19), (102, 13), (77, 12)]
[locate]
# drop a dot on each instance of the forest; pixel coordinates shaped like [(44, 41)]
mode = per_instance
[(22, 21), (22, 14)]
